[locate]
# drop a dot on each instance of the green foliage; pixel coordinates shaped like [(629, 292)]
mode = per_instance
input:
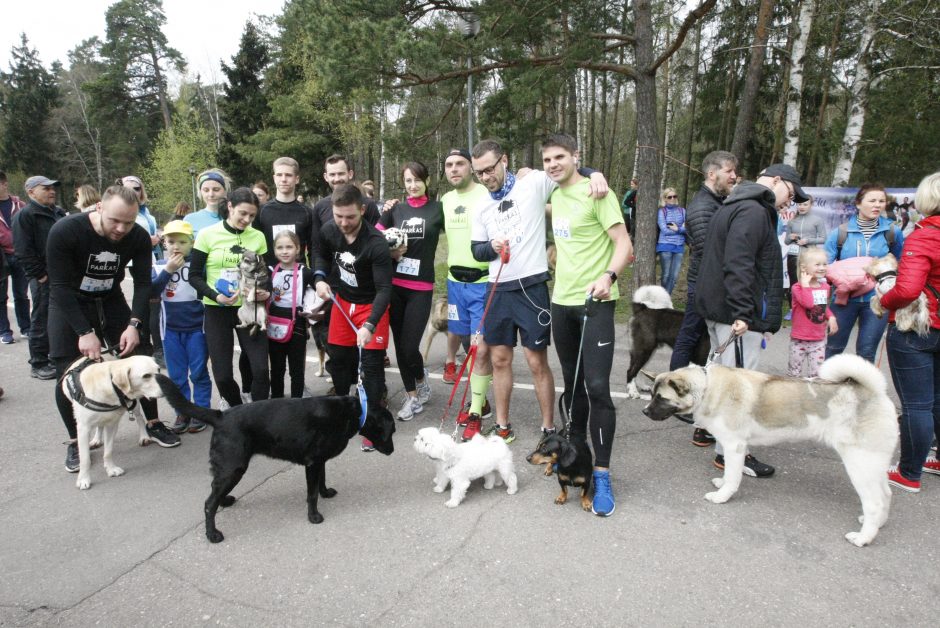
[(29, 94), (167, 176)]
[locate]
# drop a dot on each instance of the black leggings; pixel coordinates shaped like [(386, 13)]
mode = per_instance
[(220, 322), (343, 367), (409, 311), (294, 353), (592, 402)]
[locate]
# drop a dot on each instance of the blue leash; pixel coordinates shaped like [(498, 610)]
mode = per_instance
[(363, 398)]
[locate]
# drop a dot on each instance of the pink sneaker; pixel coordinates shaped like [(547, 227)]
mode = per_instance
[(896, 479), (366, 445), (932, 465)]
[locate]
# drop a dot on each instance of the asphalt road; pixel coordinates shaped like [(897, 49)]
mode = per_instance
[(132, 550)]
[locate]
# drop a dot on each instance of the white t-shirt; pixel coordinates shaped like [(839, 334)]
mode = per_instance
[(520, 218)]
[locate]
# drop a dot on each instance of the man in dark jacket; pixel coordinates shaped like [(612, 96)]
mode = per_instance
[(740, 283), (30, 231), (10, 206)]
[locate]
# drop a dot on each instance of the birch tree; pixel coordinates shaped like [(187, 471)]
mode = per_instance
[(791, 145)]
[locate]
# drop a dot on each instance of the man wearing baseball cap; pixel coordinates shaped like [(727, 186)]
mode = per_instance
[(740, 281), (30, 231)]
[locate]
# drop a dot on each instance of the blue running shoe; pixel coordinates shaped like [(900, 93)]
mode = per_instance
[(603, 505)]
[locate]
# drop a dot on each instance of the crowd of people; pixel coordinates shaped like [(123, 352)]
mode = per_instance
[(187, 287)]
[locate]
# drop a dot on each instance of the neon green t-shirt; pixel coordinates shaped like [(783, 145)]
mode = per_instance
[(458, 215), (584, 248), (223, 248)]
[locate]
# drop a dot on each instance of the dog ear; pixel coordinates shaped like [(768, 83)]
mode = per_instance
[(568, 454), (680, 386), (121, 377)]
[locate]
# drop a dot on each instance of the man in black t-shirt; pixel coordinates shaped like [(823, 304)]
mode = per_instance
[(285, 211), (353, 257), (87, 257)]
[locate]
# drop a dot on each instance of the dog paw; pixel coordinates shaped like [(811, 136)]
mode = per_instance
[(114, 472), (83, 484), (227, 501), (718, 482), (315, 517), (143, 442), (512, 490), (857, 539), (561, 500), (439, 489), (94, 444), (451, 503), (328, 493), (716, 497), (215, 536), (548, 471)]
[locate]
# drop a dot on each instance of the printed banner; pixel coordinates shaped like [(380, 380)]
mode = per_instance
[(837, 205)]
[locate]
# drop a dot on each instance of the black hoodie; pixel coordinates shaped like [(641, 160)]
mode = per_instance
[(741, 276)]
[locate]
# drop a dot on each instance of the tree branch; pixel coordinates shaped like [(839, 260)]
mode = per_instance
[(690, 20)]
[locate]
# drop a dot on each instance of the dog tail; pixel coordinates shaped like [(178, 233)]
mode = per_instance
[(653, 297), (846, 366), (185, 407)]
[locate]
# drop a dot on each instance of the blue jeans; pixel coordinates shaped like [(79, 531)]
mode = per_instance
[(915, 370), (187, 360), (670, 264), (20, 296), (870, 329)]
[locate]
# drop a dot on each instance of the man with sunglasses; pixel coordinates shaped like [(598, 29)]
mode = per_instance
[(740, 282), (513, 220)]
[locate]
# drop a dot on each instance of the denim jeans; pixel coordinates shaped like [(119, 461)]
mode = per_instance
[(915, 370), (670, 264), (870, 329), (20, 296)]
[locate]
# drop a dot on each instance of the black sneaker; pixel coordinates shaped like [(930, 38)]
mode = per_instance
[(45, 371), (71, 458), (752, 466), (181, 424), (197, 426), (161, 435), (702, 437)]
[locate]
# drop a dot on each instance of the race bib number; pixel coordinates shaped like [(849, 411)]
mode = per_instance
[(230, 274), (90, 284), (348, 278), (820, 297), (409, 266), (561, 227), (276, 229), (793, 249), (452, 314)]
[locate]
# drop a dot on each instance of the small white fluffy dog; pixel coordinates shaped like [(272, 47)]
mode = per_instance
[(916, 316), (458, 465)]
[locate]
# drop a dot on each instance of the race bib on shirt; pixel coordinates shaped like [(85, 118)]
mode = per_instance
[(178, 288), (561, 227), (793, 249), (100, 272), (276, 229), (348, 278), (820, 297), (452, 314), (90, 284), (409, 266)]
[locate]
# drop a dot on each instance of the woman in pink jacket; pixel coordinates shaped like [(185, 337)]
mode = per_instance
[(915, 359)]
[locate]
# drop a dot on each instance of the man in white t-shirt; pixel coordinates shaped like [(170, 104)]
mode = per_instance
[(513, 220)]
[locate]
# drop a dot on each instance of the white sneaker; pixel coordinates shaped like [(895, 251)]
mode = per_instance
[(410, 408), (423, 389)]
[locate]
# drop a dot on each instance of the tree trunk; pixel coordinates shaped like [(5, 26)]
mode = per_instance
[(780, 113), (791, 135), (694, 98), (824, 101), (667, 110), (858, 99), (745, 121), (161, 89), (649, 161)]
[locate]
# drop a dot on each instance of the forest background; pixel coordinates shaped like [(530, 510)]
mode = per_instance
[(844, 91)]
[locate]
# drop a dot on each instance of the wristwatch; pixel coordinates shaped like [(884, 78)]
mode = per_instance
[(136, 323), (369, 326), (613, 275)]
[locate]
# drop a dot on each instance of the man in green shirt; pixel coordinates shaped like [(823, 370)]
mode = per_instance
[(593, 248)]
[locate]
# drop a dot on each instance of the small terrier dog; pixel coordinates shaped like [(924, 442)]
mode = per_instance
[(254, 276), (916, 316), (574, 465), (436, 324), (315, 310), (458, 465)]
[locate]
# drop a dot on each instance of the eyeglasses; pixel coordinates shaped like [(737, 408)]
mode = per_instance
[(489, 172), (672, 196), (789, 190)]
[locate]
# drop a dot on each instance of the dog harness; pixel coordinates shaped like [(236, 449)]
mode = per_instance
[(77, 393)]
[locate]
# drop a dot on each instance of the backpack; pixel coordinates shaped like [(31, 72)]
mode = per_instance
[(844, 235)]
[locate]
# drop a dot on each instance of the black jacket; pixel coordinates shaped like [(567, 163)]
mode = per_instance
[(697, 216), (30, 232), (741, 276)]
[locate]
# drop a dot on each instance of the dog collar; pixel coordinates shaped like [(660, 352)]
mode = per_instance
[(888, 273), (74, 384)]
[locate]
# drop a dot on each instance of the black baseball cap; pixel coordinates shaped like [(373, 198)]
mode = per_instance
[(787, 173), (462, 152)]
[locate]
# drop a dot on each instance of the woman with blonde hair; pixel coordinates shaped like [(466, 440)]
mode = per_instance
[(915, 358), (671, 243), (214, 187), (86, 197)]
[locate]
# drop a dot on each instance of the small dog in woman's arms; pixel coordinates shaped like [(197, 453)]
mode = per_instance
[(254, 276), (914, 317), (486, 457)]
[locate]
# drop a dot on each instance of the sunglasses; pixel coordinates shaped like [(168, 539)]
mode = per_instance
[(672, 196)]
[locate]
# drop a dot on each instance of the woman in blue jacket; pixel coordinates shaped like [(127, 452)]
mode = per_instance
[(671, 243), (867, 234)]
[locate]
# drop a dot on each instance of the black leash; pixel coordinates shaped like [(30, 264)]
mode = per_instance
[(577, 367)]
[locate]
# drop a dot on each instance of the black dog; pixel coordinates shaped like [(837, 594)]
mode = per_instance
[(304, 431), (653, 325), (575, 464)]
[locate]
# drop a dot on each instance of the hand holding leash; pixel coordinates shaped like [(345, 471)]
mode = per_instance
[(89, 346)]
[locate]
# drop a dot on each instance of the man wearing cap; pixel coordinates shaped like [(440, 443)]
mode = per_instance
[(30, 231), (740, 281)]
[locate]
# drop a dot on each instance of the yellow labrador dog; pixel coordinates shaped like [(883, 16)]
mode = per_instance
[(101, 394)]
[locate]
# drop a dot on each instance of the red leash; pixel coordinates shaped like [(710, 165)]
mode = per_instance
[(472, 352)]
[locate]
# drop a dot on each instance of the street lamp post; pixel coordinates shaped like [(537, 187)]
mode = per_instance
[(469, 25), (192, 178)]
